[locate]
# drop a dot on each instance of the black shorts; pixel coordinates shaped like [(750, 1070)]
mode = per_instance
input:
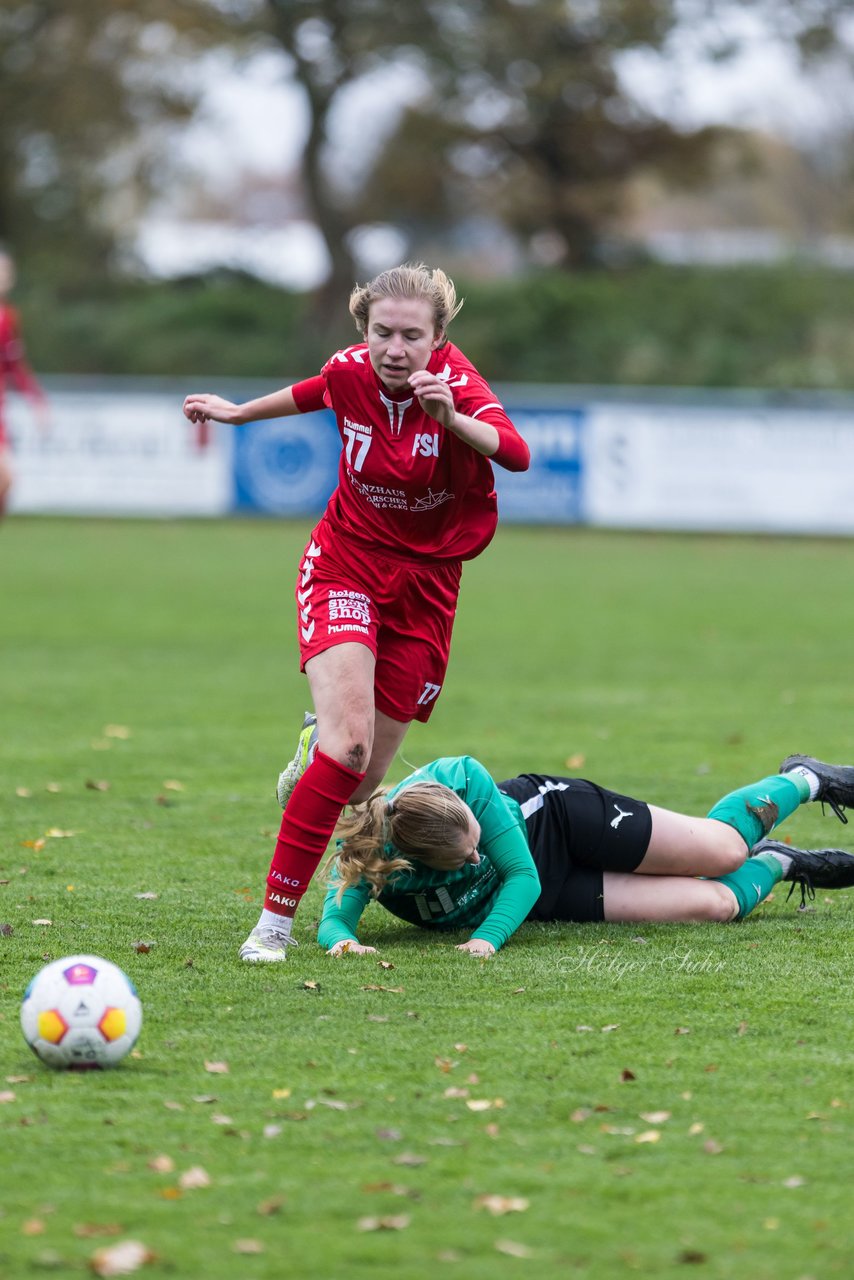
[(577, 830)]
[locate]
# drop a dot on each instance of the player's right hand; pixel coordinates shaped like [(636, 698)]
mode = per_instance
[(203, 408)]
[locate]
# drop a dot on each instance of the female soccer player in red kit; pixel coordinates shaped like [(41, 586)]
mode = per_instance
[(378, 582), (13, 364)]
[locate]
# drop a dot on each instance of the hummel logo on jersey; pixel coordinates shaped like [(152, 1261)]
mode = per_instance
[(445, 376), (395, 410), (621, 813)]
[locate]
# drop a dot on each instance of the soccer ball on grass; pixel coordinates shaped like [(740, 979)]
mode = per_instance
[(81, 1013)]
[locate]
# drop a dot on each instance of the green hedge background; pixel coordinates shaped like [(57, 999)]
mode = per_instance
[(780, 327)]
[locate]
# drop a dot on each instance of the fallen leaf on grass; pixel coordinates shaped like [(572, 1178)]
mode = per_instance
[(86, 1230), (116, 731), (391, 1188), (268, 1207), (389, 1135), (7, 1095), (18, 1079), (499, 1205), (384, 964), (171, 784), (97, 784), (281, 1093), (654, 1117), (216, 1068), (514, 1249), (612, 1026), (626, 1075), (445, 1064), (393, 990), (409, 1159), (33, 1227), (23, 792), (43, 923), (454, 1092), (142, 947), (53, 787), (6, 930), (247, 1246), (38, 845), (57, 833), (194, 1178), (311, 985), (484, 1104), (712, 1148), (150, 896), (161, 1164), (795, 1181), (120, 1259), (682, 1031), (691, 1256), (390, 1222), (576, 761), (695, 1128), (649, 1135)]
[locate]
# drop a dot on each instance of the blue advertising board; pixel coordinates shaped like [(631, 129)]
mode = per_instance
[(289, 466), (551, 490)]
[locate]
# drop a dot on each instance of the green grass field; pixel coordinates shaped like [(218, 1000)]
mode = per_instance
[(593, 1101)]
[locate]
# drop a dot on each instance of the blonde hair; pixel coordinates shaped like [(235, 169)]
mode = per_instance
[(411, 280), (425, 821)]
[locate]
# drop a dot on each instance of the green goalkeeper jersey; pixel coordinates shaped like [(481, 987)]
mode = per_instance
[(491, 898)]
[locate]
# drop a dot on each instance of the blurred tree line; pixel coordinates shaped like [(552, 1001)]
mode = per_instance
[(517, 117)]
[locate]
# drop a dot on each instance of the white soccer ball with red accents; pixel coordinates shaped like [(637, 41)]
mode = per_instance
[(81, 1013)]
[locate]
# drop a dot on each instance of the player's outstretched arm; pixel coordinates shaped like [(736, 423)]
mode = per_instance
[(202, 407)]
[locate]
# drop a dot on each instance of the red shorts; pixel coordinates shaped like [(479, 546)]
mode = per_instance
[(404, 613)]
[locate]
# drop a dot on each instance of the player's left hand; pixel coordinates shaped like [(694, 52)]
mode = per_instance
[(434, 396), (350, 948), (477, 947)]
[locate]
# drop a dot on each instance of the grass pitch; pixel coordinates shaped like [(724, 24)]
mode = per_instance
[(593, 1101)]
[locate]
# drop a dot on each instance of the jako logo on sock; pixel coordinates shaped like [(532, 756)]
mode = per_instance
[(282, 901)]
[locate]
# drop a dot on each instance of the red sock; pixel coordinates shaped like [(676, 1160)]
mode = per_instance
[(307, 825)]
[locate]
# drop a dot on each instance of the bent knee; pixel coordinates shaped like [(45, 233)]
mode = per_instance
[(719, 904), (727, 853)]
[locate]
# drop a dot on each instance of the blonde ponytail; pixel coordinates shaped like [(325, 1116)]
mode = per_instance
[(426, 822)]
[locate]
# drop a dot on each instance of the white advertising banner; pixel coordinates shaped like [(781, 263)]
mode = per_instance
[(111, 453), (706, 468), (117, 448)]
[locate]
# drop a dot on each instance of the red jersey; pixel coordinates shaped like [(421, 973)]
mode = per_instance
[(406, 485), (12, 361)]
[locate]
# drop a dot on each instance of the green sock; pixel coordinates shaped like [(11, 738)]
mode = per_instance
[(757, 809), (753, 881)]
